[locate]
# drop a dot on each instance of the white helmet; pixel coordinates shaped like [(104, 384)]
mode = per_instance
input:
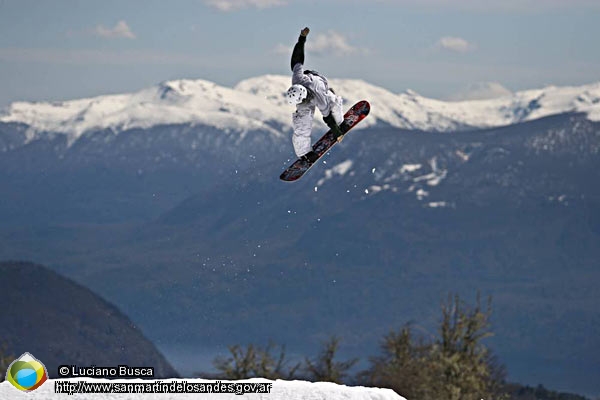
[(296, 94)]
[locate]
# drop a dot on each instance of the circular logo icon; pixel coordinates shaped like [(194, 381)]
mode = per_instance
[(26, 373)]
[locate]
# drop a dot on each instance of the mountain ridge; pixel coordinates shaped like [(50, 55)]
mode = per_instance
[(257, 104)]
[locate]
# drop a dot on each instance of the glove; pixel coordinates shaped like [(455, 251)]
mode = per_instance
[(304, 32)]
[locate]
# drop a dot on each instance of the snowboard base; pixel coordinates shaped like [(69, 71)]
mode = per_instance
[(354, 115)]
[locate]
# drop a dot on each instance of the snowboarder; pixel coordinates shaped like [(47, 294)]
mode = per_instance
[(310, 89)]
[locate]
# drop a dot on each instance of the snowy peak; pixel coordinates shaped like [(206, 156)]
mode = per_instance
[(172, 102), (258, 104), (272, 87)]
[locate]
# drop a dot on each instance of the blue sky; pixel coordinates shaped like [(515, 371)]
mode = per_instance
[(63, 49)]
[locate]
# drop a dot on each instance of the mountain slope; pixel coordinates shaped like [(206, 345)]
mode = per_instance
[(190, 232), (63, 323)]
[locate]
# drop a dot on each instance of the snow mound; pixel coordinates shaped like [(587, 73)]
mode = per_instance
[(279, 390)]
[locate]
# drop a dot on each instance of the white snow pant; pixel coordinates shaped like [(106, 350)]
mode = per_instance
[(302, 121)]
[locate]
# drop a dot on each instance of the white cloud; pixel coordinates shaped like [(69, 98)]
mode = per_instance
[(236, 5), (457, 44), (120, 30), (324, 44), (282, 49), (481, 91), (332, 43)]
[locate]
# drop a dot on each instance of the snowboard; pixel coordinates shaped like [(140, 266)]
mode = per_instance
[(354, 115)]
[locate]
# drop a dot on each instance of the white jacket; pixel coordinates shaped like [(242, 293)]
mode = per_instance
[(317, 86), (319, 95)]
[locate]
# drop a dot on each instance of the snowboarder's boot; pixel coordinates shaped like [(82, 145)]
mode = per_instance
[(310, 157), (334, 127)]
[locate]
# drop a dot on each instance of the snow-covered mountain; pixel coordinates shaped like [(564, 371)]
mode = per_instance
[(188, 211), (257, 104)]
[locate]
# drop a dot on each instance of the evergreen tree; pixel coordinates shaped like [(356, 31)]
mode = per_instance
[(254, 361), (324, 368), (467, 368), (455, 365), (403, 366)]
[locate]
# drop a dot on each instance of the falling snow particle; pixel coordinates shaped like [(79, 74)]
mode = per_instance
[(373, 171)]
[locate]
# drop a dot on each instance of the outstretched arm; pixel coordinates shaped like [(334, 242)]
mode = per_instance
[(298, 53)]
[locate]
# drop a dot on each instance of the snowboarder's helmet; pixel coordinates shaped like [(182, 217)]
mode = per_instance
[(296, 94)]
